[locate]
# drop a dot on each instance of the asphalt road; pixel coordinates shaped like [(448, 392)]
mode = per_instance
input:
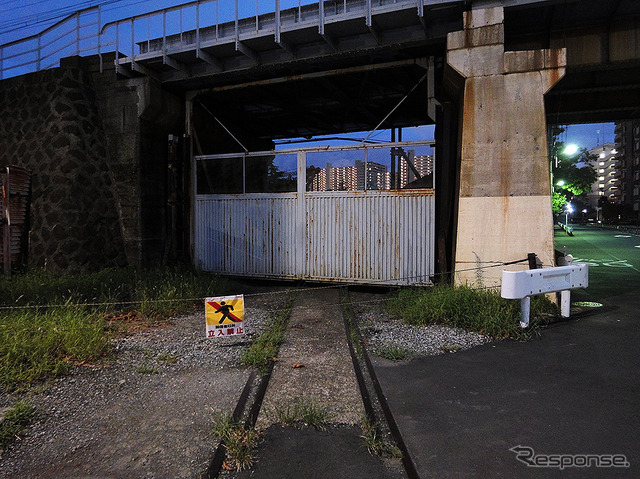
[(613, 258)]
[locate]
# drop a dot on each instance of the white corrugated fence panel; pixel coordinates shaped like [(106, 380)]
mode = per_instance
[(373, 237), (252, 235)]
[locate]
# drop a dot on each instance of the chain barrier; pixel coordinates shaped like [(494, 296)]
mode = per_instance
[(249, 295)]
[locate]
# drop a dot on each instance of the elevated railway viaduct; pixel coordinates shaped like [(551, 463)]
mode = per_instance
[(489, 74)]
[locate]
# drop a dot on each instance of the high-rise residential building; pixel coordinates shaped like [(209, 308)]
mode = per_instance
[(377, 177), (607, 166), (341, 178), (628, 145), (422, 163), (319, 181)]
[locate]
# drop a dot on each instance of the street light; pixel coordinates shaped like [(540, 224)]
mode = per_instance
[(571, 149), (568, 209)]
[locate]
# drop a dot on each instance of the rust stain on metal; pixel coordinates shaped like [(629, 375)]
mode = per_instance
[(14, 217)]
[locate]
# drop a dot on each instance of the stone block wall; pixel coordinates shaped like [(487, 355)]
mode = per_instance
[(137, 116), (97, 146), (50, 124)]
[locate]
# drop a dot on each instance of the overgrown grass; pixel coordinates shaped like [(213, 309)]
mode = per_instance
[(301, 412), (376, 442), (15, 422), (239, 441), (482, 310), (60, 320), (392, 352), (38, 343), (152, 293), (265, 348)]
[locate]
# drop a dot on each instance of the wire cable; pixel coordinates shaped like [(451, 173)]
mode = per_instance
[(278, 292)]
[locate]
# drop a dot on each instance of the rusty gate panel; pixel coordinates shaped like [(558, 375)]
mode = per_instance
[(14, 217), (249, 235), (374, 237), (369, 236)]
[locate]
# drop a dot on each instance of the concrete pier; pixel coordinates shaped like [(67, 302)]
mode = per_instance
[(504, 196)]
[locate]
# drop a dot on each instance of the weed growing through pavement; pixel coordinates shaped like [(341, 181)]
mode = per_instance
[(483, 310), (282, 413), (392, 352), (265, 348), (450, 349), (239, 441), (300, 412), (312, 414), (15, 422), (376, 441)]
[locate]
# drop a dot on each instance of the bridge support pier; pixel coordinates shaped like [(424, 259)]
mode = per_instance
[(504, 209)]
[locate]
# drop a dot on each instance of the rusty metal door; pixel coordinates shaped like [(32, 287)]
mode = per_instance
[(371, 236), (14, 217)]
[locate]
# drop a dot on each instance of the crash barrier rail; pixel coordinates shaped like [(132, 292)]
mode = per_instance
[(524, 284)]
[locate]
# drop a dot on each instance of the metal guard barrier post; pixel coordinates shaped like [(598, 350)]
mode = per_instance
[(524, 284)]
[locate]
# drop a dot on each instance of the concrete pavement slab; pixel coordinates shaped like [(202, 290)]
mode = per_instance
[(314, 365), (572, 391), (338, 453)]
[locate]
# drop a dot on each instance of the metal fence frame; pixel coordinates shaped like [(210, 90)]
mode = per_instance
[(365, 236)]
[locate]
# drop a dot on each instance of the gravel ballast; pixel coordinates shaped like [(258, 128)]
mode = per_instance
[(147, 411), (382, 331)]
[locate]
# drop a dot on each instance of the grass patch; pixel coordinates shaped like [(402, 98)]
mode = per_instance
[(15, 422), (392, 352), (168, 358), (39, 343), (301, 412), (239, 441), (482, 310), (62, 320), (265, 348), (153, 292), (376, 442), (146, 369)]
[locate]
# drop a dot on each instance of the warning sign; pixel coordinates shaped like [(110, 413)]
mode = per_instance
[(224, 316)]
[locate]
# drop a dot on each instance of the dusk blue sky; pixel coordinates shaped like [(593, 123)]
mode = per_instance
[(21, 18)]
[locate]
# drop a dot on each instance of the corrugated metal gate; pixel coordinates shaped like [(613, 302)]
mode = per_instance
[(380, 236)]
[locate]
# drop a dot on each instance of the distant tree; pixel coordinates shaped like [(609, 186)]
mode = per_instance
[(572, 174), (312, 172)]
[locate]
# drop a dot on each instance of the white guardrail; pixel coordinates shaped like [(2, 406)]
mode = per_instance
[(524, 284)]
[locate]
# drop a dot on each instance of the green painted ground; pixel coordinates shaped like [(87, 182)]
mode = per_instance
[(613, 258)]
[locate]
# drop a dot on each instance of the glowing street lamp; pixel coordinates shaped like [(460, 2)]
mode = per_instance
[(567, 209), (571, 149)]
